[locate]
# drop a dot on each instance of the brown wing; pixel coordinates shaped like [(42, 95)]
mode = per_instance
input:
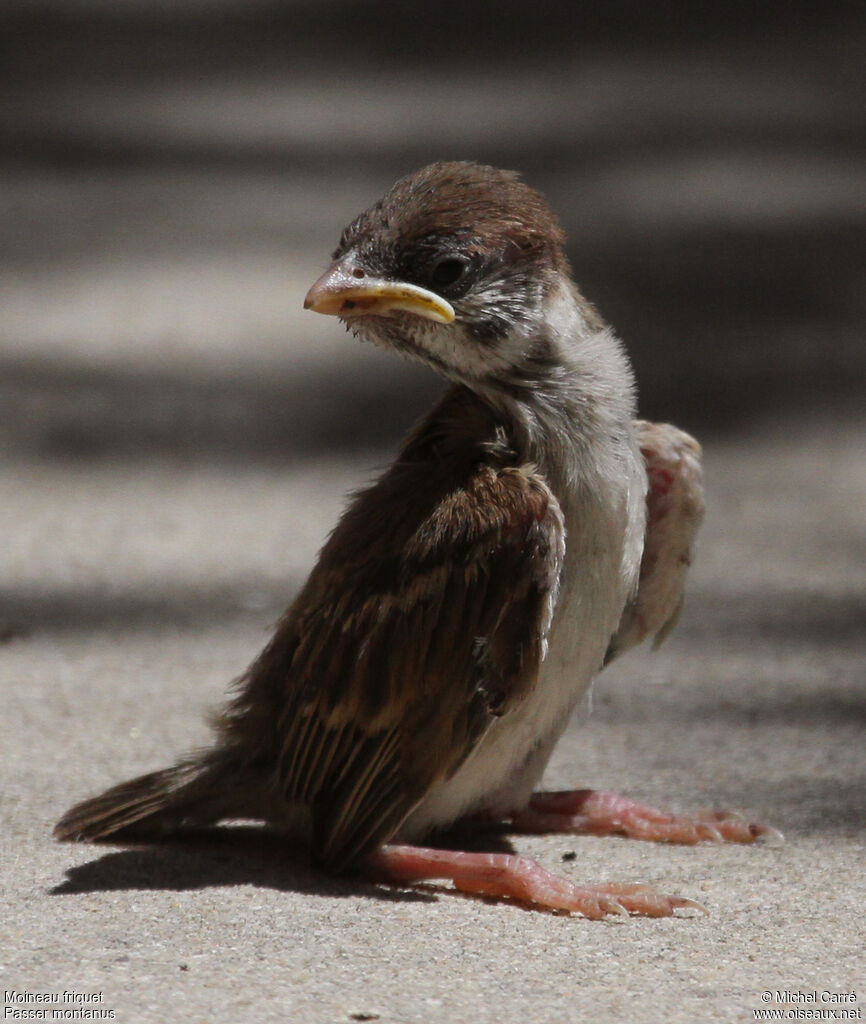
[(424, 620), (675, 508)]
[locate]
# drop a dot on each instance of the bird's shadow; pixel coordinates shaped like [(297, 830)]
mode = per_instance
[(242, 855)]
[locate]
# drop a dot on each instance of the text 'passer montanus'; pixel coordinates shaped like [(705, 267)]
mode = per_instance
[(529, 530)]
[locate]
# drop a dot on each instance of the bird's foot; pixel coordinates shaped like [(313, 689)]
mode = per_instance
[(599, 813), (507, 876)]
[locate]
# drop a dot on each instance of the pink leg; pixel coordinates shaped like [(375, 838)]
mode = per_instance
[(598, 813), (506, 876)]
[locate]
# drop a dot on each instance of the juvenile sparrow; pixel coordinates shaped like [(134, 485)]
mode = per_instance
[(529, 531)]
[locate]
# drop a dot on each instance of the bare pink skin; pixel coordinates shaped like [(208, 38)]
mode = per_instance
[(504, 875), (592, 812), (574, 812)]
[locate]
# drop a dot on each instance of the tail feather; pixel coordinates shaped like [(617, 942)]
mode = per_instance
[(151, 804)]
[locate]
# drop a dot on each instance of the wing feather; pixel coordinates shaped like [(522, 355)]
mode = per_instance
[(403, 648), (675, 509)]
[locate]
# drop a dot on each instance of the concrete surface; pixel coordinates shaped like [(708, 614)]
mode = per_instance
[(178, 437), (134, 594)]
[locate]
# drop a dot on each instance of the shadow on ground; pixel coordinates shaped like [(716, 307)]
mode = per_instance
[(745, 298), (243, 855)]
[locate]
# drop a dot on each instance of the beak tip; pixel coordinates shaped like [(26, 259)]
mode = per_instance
[(338, 292), (313, 301)]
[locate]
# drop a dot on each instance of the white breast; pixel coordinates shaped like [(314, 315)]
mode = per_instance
[(579, 433), (603, 545)]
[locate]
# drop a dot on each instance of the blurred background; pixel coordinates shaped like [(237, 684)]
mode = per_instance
[(178, 432), (174, 175), (177, 438)]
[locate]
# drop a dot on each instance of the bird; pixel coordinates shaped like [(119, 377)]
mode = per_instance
[(530, 530)]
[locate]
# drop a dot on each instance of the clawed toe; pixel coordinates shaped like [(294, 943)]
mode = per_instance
[(767, 833), (646, 901), (734, 827), (505, 876), (594, 812)]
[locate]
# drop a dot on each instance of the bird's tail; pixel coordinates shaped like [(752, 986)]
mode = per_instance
[(197, 791)]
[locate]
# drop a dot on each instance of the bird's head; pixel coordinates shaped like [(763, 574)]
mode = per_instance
[(456, 265)]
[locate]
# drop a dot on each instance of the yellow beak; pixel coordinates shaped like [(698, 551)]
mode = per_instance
[(344, 290)]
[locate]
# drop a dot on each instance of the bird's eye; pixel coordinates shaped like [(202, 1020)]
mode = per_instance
[(448, 271)]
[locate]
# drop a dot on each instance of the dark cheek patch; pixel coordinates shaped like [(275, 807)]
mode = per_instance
[(489, 331)]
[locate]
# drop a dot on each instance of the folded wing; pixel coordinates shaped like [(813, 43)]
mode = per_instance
[(403, 648), (675, 509)]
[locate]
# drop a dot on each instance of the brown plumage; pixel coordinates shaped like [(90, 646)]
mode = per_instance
[(424, 615), (528, 530)]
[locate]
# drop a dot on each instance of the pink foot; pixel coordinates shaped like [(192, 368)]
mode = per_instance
[(506, 876), (598, 813)]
